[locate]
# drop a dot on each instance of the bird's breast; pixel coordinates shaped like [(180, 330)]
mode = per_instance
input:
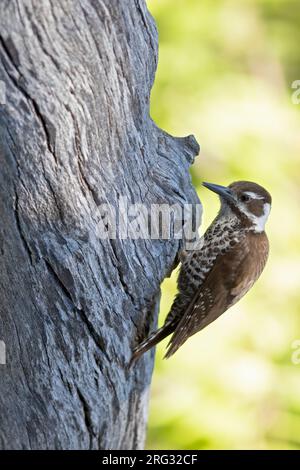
[(253, 257)]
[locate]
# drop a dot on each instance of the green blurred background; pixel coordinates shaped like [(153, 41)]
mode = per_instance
[(225, 73)]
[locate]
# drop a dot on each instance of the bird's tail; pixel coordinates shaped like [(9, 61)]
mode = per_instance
[(151, 341)]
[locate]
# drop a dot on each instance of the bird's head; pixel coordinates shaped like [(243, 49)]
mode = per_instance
[(248, 201)]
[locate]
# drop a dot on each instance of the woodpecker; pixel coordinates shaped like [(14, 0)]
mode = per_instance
[(231, 256)]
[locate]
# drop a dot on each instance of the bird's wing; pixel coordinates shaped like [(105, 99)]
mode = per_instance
[(196, 264), (229, 279)]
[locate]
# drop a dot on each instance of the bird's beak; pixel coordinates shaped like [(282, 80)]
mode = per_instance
[(222, 191)]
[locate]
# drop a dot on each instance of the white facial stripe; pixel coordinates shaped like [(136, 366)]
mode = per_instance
[(259, 222), (253, 195)]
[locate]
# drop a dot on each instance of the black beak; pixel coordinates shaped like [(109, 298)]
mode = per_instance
[(222, 191)]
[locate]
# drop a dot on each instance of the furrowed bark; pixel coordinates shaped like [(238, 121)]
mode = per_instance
[(76, 134)]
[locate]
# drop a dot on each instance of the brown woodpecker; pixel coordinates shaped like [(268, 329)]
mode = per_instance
[(232, 255)]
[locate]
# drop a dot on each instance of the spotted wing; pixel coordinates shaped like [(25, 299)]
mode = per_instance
[(218, 238), (196, 265), (232, 276)]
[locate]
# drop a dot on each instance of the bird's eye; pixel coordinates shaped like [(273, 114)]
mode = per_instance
[(245, 198)]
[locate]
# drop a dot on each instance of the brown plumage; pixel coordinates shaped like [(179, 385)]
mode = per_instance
[(233, 253)]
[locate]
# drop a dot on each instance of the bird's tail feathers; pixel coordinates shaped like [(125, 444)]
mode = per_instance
[(151, 341)]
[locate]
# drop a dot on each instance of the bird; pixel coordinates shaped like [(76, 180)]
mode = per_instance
[(230, 257)]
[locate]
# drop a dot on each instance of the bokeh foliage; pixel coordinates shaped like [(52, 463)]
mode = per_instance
[(225, 72)]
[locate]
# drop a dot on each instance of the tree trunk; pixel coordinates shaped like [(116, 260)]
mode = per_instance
[(76, 134)]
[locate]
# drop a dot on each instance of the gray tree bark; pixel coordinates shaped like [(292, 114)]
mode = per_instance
[(76, 133)]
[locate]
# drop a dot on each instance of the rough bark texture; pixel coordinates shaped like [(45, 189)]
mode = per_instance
[(75, 133)]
